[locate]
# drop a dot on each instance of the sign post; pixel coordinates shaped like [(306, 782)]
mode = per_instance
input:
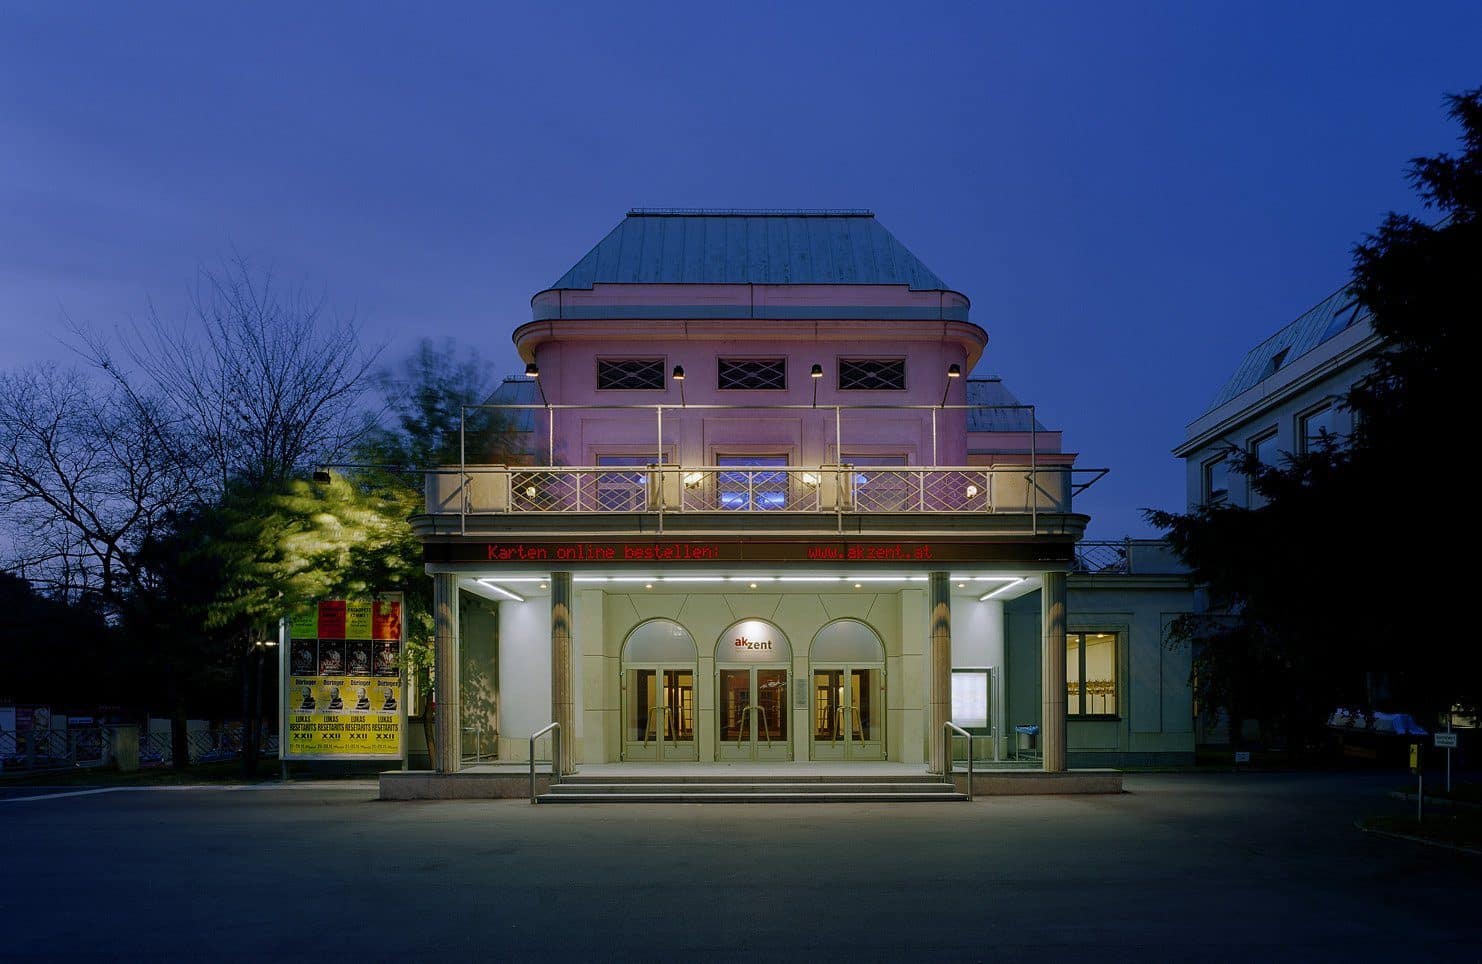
[(1418, 769), (1447, 741)]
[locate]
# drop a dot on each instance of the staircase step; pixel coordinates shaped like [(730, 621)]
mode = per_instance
[(764, 795), (861, 787)]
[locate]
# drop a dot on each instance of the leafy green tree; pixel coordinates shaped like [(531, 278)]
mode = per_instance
[(1353, 567)]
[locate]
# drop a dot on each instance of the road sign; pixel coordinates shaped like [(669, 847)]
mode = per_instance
[(1415, 758), (1242, 756), (1446, 741)]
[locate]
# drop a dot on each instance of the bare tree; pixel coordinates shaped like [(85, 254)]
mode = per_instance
[(261, 383), (85, 480)]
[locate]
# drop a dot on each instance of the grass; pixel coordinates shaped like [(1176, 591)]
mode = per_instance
[(1451, 829)]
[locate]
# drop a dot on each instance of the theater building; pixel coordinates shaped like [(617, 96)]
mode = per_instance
[(764, 515)]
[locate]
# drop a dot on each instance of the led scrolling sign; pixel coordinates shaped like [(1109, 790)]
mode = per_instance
[(699, 552)]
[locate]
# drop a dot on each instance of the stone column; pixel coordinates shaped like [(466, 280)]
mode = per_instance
[(939, 668), (448, 689), (1052, 669), (563, 708)]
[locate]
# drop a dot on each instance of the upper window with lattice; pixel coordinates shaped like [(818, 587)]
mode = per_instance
[(872, 374), (645, 374), (752, 374)]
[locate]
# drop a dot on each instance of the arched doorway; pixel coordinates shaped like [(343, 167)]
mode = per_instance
[(752, 660), (847, 713), (658, 672)]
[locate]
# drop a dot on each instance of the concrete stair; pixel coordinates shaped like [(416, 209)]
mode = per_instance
[(713, 788)]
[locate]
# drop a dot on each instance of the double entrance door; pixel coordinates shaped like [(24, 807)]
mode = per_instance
[(848, 712), (753, 710), (659, 713)]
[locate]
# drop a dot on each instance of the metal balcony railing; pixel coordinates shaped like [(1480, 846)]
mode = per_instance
[(840, 488), (826, 489)]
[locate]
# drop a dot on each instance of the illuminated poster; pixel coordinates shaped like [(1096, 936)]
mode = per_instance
[(342, 687)]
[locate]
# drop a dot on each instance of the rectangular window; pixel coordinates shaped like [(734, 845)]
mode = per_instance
[(630, 374), (1217, 480), (1266, 452), (625, 488), (751, 487), (1091, 675), (751, 374), (872, 374), (1314, 426)]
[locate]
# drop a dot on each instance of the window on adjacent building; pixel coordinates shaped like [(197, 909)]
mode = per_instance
[(1217, 479), (1313, 426), (751, 374), (1091, 674), (1266, 452), (630, 374), (872, 374)]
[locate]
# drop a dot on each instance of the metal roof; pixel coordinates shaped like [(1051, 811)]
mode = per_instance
[(744, 246), (1327, 318), (1010, 418), (517, 390)]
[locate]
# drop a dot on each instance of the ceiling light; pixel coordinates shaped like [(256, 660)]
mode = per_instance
[(1004, 588), (501, 590)]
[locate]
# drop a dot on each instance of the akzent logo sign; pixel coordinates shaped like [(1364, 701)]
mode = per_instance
[(746, 644)]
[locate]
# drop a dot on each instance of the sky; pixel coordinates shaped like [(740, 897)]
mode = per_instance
[(1131, 194)]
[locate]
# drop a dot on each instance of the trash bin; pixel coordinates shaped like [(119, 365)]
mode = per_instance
[(1028, 737)]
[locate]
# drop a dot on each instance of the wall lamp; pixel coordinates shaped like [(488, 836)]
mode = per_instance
[(954, 370), (815, 373), (678, 376), (532, 371)]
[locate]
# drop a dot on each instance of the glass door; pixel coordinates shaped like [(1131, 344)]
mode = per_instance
[(848, 713), (659, 714), (753, 709)]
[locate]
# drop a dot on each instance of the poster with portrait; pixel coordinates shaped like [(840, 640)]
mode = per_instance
[(342, 687)]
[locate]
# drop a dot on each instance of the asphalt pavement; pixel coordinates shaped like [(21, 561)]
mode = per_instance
[(1181, 867)]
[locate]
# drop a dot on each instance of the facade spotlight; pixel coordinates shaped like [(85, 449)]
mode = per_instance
[(954, 370), (815, 373), (532, 370), (321, 476), (679, 377)]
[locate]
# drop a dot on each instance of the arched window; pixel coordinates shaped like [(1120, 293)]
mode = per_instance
[(753, 641), (659, 641), (847, 641)]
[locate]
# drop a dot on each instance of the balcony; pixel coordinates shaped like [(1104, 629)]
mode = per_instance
[(656, 496)]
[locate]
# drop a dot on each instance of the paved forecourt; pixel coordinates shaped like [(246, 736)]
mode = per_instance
[(1197, 867)]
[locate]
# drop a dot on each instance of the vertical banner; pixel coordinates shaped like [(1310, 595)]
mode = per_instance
[(343, 691)]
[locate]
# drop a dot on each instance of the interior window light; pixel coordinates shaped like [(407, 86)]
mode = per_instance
[(1091, 674)]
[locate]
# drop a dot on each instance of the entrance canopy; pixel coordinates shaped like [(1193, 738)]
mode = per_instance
[(753, 641)]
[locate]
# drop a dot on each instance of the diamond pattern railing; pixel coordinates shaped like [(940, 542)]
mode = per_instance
[(847, 488)]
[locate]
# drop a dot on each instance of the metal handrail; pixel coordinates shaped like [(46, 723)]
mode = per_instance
[(949, 729), (766, 730), (555, 755)]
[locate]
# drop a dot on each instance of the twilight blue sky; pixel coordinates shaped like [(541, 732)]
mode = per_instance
[(1132, 194)]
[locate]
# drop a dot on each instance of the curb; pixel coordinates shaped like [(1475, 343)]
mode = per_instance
[(1430, 801), (1471, 851)]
